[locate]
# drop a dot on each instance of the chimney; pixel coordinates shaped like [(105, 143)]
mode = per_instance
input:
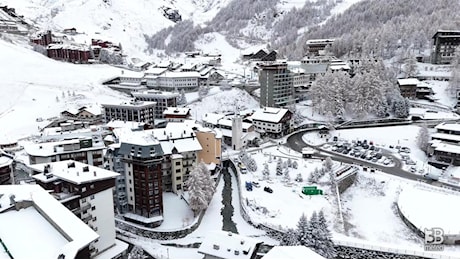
[(95, 174)]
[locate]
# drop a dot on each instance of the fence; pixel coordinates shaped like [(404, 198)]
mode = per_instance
[(376, 247)]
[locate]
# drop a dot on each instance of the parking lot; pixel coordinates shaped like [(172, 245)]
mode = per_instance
[(360, 149)]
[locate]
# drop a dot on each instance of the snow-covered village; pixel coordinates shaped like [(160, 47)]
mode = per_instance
[(229, 129)]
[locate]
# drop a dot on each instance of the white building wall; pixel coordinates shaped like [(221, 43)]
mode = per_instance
[(103, 221), (130, 184)]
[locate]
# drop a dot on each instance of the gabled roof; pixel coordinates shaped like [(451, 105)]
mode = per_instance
[(227, 245), (269, 114)]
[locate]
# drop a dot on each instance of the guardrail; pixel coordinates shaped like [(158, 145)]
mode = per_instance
[(376, 247)]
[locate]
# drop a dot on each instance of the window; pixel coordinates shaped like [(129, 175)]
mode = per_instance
[(130, 189), (83, 189), (83, 200), (91, 186), (178, 178), (93, 208), (129, 181), (92, 197), (177, 170), (178, 163), (94, 219)]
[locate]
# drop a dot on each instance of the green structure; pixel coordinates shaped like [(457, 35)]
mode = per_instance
[(311, 190)]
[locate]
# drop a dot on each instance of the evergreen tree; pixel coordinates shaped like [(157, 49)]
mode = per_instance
[(423, 138), (311, 231), (209, 185), (289, 238), (137, 253), (299, 177), (279, 168), (295, 165), (197, 196), (410, 66), (286, 177), (328, 164), (324, 245), (302, 231), (266, 172), (289, 162)]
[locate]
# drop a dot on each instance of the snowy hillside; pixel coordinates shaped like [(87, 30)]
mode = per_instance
[(119, 21), (34, 86)]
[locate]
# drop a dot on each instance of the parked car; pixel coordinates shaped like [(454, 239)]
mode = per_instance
[(255, 184), (268, 189), (335, 138)]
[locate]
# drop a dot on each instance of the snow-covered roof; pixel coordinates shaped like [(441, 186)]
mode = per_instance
[(269, 114), (131, 74), (448, 126), (187, 145), (411, 81), (155, 94), (77, 174), (443, 136), (181, 74), (318, 41), (124, 124), (182, 111), (291, 252), (254, 49), (437, 210), (448, 148), (155, 71), (94, 109), (227, 245), (132, 104), (228, 122), (212, 118), (5, 160), (53, 148), (45, 229), (314, 68)]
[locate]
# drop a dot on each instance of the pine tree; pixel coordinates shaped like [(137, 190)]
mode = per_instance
[(314, 176), (295, 165), (137, 253), (328, 164), (197, 196), (286, 177), (302, 231), (289, 162), (299, 177), (266, 172), (209, 185), (289, 238), (423, 138), (279, 168), (410, 66), (324, 245)]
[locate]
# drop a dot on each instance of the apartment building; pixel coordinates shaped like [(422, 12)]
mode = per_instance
[(444, 147), (271, 121), (86, 150), (444, 44), (6, 168), (276, 85), (317, 47), (157, 161), (169, 81), (162, 99), (137, 111), (33, 224), (87, 192)]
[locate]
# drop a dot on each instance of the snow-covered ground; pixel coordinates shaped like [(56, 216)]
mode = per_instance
[(34, 86), (223, 101)]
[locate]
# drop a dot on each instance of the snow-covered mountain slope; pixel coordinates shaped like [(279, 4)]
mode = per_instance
[(34, 86), (119, 21), (127, 22)]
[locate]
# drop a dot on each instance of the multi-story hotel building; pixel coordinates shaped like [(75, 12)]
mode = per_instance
[(86, 150), (276, 85), (163, 100), (87, 192), (137, 111)]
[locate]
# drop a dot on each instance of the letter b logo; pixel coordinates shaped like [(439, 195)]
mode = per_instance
[(434, 236)]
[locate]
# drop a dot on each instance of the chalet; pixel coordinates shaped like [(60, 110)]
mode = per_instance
[(176, 114), (274, 122), (408, 87), (228, 245), (71, 31), (70, 53), (317, 47)]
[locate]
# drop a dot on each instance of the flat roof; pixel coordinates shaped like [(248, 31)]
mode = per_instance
[(44, 230), (448, 126), (180, 74), (47, 149), (76, 175), (155, 94), (131, 104)]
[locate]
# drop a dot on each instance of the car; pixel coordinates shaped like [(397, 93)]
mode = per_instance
[(413, 169), (335, 138), (410, 162), (386, 162), (255, 184), (374, 160), (378, 155), (372, 148), (365, 146), (371, 143), (391, 146), (397, 147), (268, 189), (334, 148), (243, 171)]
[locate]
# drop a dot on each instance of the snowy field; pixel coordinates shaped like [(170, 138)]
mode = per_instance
[(223, 101), (34, 86)]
